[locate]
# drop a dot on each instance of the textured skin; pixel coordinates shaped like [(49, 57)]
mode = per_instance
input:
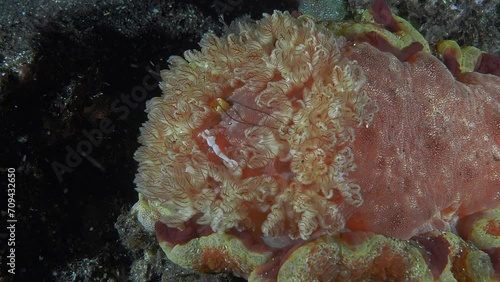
[(432, 152)]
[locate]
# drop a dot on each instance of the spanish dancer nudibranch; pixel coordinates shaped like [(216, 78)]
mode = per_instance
[(303, 150)]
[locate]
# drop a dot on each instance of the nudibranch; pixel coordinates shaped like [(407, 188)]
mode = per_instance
[(295, 150)]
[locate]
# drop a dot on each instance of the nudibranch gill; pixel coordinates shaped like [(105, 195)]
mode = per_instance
[(295, 150)]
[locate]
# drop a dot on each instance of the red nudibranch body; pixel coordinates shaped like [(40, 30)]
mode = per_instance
[(438, 157), (297, 151)]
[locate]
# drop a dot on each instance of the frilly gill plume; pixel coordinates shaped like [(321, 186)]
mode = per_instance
[(295, 100)]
